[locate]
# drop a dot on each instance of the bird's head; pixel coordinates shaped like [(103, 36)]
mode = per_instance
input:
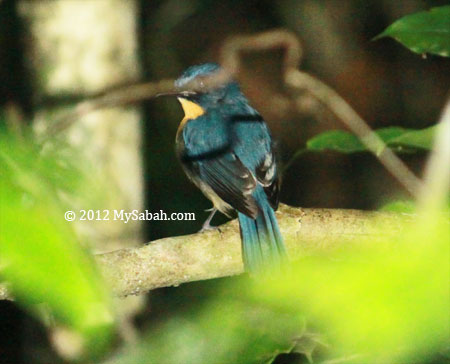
[(198, 102)]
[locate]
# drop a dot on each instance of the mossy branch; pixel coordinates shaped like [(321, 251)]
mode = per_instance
[(176, 260)]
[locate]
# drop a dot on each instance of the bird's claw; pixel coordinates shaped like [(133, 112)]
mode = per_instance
[(208, 227)]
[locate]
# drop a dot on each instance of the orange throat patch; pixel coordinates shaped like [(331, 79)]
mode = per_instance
[(191, 111)]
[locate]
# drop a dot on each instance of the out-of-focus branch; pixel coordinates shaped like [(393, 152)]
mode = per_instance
[(296, 81), (437, 175), (271, 40), (348, 116), (176, 260), (123, 96)]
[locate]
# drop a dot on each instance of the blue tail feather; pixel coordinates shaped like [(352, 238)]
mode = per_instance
[(262, 243)]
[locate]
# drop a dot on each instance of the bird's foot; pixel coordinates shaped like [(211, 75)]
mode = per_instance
[(209, 227), (207, 224)]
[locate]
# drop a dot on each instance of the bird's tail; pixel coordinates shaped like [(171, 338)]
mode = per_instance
[(262, 243)]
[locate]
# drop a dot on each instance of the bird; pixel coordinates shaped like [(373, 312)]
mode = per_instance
[(226, 149)]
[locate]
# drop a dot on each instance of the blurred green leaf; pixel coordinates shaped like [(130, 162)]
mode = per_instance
[(404, 206), (423, 32), (337, 140), (40, 256), (377, 303), (230, 329), (400, 139), (420, 139), (380, 304)]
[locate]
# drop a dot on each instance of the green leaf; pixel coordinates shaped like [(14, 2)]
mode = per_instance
[(390, 133), (423, 32), (400, 139), (228, 329), (337, 140), (346, 142), (383, 300), (419, 139), (382, 305), (40, 256)]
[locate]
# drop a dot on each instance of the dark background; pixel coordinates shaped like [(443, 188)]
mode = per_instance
[(385, 83)]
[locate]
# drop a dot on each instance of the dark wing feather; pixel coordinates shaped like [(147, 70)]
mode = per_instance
[(231, 181)]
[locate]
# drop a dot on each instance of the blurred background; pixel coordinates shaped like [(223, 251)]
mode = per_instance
[(56, 53)]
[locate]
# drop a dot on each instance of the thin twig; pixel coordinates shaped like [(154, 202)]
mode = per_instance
[(437, 173), (291, 161), (330, 98), (271, 40), (120, 97)]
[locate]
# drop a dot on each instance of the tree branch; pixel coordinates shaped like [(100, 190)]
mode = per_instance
[(176, 260)]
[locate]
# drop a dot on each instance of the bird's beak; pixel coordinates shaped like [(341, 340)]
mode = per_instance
[(177, 93)]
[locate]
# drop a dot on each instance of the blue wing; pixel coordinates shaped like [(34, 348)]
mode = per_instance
[(233, 157)]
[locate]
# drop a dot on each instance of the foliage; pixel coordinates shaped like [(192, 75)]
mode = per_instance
[(399, 139), (40, 256), (384, 302), (423, 32), (405, 206), (376, 302), (232, 328)]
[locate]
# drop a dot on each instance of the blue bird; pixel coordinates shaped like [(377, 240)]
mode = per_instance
[(226, 149)]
